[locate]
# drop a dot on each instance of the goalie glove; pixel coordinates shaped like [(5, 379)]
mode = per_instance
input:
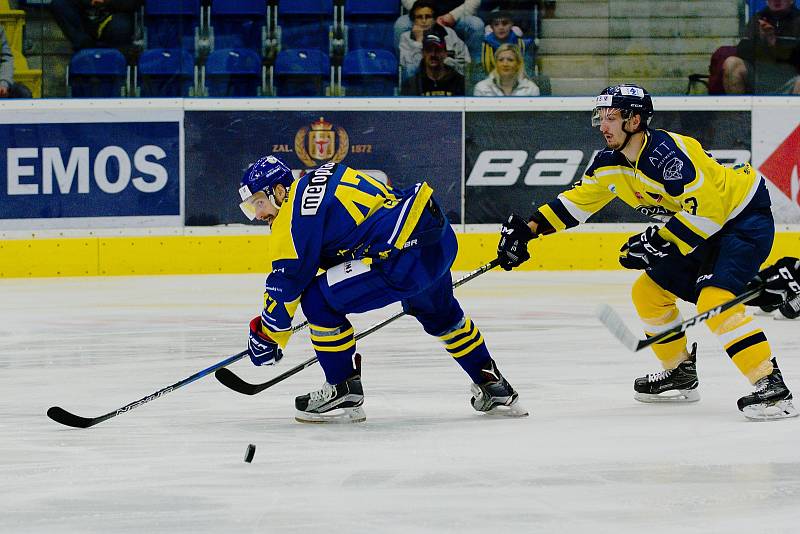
[(644, 250), (512, 251), (780, 284)]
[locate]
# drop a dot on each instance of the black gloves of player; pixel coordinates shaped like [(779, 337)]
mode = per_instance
[(644, 250), (781, 283), (512, 251)]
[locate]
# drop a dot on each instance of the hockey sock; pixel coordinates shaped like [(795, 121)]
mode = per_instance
[(335, 347), (465, 343), (745, 343), (656, 308)]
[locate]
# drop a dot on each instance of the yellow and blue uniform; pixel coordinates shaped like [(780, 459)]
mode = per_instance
[(720, 220), (377, 245)]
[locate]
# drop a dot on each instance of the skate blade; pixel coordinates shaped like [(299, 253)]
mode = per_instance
[(675, 396), (769, 412), (515, 410), (338, 416)]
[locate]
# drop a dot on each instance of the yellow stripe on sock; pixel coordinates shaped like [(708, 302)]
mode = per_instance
[(468, 349), (464, 329)]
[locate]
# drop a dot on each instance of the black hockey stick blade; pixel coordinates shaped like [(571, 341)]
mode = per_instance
[(231, 380), (612, 320), (60, 415)]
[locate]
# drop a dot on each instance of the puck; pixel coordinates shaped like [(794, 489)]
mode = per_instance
[(249, 453)]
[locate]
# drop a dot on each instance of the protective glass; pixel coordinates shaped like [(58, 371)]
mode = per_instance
[(249, 205)]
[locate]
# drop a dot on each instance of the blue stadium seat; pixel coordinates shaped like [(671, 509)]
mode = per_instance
[(238, 23), (301, 72), (165, 72), (233, 72), (97, 73), (305, 23), (172, 24), (370, 23), (369, 72)]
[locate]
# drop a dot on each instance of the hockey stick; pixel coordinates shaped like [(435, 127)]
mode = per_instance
[(612, 320), (60, 415), (231, 380)]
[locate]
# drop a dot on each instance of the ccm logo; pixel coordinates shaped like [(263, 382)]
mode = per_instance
[(27, 169), (551, 167)]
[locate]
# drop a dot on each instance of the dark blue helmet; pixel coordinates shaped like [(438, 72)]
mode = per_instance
[(630, 99), (263, 175)]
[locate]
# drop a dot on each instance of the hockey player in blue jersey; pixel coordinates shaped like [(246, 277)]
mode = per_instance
[(718, 230), (376, 246)]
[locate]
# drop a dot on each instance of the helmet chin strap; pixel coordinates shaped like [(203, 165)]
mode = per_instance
[(628, 135), (271, 198), (272, 201)]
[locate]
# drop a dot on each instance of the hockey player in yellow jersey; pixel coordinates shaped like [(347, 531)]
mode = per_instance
[(718, 230)]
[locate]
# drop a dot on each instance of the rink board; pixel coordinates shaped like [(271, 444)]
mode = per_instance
[(234, 254)]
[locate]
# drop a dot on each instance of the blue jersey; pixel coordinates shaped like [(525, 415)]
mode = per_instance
[(330, 215)]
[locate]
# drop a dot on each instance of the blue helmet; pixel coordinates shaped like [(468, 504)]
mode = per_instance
[(263, 175), (630, 99)]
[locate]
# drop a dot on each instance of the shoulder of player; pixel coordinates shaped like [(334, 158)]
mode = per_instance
[(606, 158), (666, 159), (312, 188)]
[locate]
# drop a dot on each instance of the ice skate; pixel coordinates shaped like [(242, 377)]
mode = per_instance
[(674, 385), (771, 399), (334, 403), (496, 397)]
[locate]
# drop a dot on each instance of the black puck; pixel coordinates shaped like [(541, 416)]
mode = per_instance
[(249, 453)]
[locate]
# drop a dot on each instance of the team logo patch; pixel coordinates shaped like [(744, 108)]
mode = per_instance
[(632, 91), (672, 170)]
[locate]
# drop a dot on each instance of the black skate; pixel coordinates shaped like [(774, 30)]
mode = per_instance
[(675, 385), (334, 403), (771, 399), (496, 396)]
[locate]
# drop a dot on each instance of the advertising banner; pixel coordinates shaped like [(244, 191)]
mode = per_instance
[(516, 161), (79, 174), (776, 154), (396, 147)]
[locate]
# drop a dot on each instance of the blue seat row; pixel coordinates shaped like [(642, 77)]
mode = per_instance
[(228, 72), (264, 24)]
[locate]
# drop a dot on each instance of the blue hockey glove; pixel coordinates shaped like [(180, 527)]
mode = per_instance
[(512, 251), (644, 250), (781, 283), (262, 350)]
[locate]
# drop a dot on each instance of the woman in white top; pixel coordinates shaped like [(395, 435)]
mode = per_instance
[(508, 77)]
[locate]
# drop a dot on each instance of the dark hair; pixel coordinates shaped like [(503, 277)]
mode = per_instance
[(500, 14), (419, 4)]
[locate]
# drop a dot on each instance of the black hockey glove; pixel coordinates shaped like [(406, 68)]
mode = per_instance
[(512, 251), (644, 250), (781, 284)]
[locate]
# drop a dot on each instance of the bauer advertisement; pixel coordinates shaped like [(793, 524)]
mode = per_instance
[(90, 174), (516, 161), (398, 148), (776, 154)]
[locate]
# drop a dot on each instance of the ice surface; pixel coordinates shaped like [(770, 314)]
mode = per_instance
[(589, 459)]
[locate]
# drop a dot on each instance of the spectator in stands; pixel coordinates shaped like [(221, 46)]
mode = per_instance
[(434, 77), (456, 14), (527, 14), (9, 89), (767, 59), (508, 77), (96, 23), (423, 14), (502, 30)]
